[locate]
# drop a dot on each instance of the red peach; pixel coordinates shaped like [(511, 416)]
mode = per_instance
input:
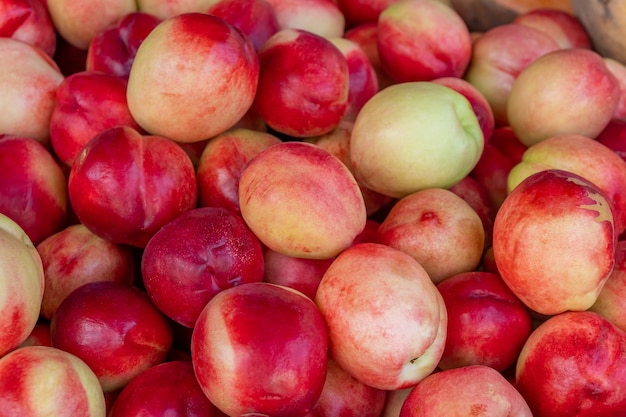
[(573, 364), (261, 349), (487, 323), (554, 241), (196, 69), (420, 40), (358, 12), (195, 256), (77, 115), (301, 274), (112, 51), (221, 162), (45, 381), (33, 187), (114, 329), (75, 256), (363, 81), (255, 18), (168, 389), (366, 36), (28, 21), (477, 196), (303, 84), (115, 206), (492, 171)]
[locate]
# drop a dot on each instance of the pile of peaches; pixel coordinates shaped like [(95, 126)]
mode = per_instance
[(311, 208)]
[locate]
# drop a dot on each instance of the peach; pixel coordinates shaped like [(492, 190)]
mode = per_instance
[(575, 81), (164, 9), (498, 56), (583, 156), (30, 79), (432, 224), (79, 22), (194, 69), (420, 40), (366, 36), (487, 324), (150, 181), (554, 241), (618, 69), (344, 395), (200, 253), (363, 81), (112, 51), (301, 274), (28, 21), (76, 256), (301, 201), (466, 391), (565, 28), (221, 162), (22, 285), (358, 12), (303, 84), (386, 319), (114, 329), (77, 115), (33, 187), (573, 364), (477, 196), (45, 381), (392, 148), (492, 171), (321, 17), (254, 18), (169, 389), (261, 349), (611, 302)]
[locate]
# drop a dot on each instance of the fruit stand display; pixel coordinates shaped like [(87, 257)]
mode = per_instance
[(312, 208)]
